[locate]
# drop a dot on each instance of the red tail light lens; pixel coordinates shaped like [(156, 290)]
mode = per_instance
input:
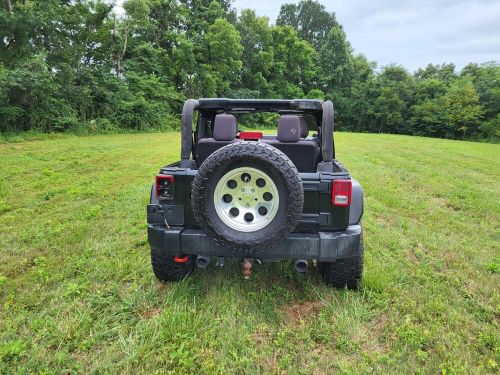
[(164, 186), (251, 135), (341, 192)]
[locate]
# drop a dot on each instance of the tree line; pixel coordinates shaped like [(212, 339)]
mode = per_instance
[(75, 64)]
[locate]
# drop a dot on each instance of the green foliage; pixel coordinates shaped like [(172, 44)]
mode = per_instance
[(311, 20), (77, 66), (462, 105), (137, 9), (258, 53), (335, 61), (292, 73), (430, 118), (223, 50), (388, 110), (491, 128), (444, 72)]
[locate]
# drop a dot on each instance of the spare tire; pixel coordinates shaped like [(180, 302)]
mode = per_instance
[(247, 195)]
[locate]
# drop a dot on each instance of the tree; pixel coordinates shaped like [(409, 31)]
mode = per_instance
[(491, 129), (462, 103), (32, 98), (430, 88), (444, 72), (310, 19), (388, 109), (486, 80), (258, 55), (203, 13), (135, 12), (68, 65), (335, 61), (395, 93), (223, 63), (430, 117), (293, 69), (357, 110)]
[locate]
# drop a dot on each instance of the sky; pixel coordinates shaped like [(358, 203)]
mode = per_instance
[(412, 33)]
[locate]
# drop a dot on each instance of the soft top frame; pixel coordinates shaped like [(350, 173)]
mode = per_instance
[(263, 105), (321, 110)]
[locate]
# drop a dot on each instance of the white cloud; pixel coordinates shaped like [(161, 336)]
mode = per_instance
[(413, 33)]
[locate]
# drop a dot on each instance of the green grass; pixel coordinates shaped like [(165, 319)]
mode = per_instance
[(77, 293)]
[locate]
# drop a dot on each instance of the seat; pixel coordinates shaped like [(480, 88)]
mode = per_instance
[(302, 153), (304, 128), (224, 133)]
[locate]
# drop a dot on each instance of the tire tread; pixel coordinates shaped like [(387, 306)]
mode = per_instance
[(344, 273), (166, 269)]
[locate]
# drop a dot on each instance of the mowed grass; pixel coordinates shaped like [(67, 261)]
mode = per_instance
[(77, 293)]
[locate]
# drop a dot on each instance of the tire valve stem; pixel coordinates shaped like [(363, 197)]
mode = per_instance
[(247, 268)]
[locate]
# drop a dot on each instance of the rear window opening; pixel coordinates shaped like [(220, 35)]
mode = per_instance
[(291, 136)]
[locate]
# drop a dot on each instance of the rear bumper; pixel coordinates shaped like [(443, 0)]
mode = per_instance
[(324, 246)]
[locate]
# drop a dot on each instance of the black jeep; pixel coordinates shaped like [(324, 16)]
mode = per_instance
[(255, 197)]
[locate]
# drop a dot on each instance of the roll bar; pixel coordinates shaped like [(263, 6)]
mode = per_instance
[(187, 132), (308, 106), (327, 144)]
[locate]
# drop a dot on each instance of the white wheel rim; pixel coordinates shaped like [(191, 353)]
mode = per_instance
[(250, 204)]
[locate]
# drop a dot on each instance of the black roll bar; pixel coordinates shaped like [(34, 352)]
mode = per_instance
[(327, 127), (187, 131)]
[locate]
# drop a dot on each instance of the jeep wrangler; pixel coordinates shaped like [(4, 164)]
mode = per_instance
[(257, 197)]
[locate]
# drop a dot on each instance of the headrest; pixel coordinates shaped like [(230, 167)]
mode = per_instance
[(225, 127), (288, 128), (304, 128)]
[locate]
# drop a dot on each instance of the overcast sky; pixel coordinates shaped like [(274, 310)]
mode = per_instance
[(412, 33)]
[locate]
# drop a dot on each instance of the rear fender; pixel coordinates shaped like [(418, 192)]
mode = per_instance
[(153, 199), (357, 205)]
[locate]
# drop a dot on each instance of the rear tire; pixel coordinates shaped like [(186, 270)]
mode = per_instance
[(167, 269), (344, 273)]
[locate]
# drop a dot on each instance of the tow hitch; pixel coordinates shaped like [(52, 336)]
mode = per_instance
[(247, 268)]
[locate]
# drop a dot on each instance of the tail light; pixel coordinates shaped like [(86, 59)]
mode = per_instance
[(253, 136), (164, 186), (341, 192)]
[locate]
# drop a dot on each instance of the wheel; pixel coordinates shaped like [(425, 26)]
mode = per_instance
[(344, 273), (169, 268), (247, 195)]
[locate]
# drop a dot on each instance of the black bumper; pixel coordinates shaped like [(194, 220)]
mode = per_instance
[(324, 246)]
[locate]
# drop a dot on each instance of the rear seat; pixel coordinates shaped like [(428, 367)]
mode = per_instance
[(304, 128), (302, 153), (225, 131)]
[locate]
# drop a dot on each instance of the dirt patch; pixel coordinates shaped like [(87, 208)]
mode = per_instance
[(148, 314), (260, 337), (372, 336), (453, 207), (297, 312)]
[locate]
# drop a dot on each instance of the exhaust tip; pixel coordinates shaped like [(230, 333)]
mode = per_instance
[(301, 265), (202, 261)]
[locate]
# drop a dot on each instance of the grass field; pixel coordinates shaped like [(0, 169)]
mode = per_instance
[(77, 293)]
